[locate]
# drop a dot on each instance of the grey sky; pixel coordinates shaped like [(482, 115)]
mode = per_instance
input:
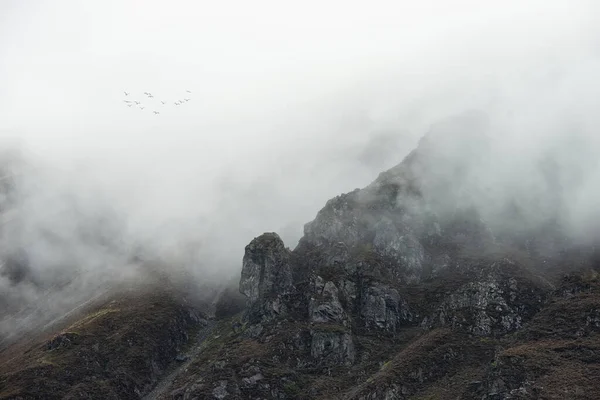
[(284, 97)]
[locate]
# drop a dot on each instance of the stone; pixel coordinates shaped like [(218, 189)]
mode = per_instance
[(332, 348), (266, 268), (324, 305)]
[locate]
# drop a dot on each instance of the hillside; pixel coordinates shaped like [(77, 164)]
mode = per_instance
[(399, 290)]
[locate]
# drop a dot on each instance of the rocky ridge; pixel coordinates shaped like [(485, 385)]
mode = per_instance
[(402, 290)]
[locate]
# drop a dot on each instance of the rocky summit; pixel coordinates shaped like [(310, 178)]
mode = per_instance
[(400, 290)]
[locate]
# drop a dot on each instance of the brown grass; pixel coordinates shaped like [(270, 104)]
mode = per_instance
[(114, 350)]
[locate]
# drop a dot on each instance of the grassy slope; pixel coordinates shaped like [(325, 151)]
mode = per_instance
[(116, 349)]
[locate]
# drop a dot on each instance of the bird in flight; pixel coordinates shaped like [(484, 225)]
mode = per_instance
[(187, 99), (150, 96), (146, 93), (127, 101), (162, 102), (156, 112), (141, 108), (129, 105), (176, 103), (188, 91), (126, 94), (137, 102)]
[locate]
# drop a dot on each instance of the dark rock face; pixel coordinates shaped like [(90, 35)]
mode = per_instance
[(496, 302), (382, 308), (266, 275), (324, 305), (266, 268), (332, 348), (403, 290), (405, 254)]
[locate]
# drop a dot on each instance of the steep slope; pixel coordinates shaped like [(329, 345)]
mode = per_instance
[(399, 290), (118, 347)]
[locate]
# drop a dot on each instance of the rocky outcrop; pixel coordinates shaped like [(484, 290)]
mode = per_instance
[(496, 302), (383, 308), (402, 290), (324, 305), (266, 276), (266, 268), (368, 258), (332, 348)]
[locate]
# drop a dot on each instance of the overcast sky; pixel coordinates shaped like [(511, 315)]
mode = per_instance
[(285, 97)]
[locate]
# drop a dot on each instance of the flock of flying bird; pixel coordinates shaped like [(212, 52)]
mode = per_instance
[(131, 103)]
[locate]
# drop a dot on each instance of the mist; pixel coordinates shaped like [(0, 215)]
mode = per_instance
[(290, 105)]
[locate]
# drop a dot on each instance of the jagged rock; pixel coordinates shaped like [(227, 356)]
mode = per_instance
[(403, 248), (349, 291), (63, 340), (324, 305), (332, 348), (266, 276), (220, 392), (266, 268), (338, 255), (339, 316), (253, 380), (253, 331), (338, 221), (383, 308), (489, 305)]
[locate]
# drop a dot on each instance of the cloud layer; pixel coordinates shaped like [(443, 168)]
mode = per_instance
[(290, 105)]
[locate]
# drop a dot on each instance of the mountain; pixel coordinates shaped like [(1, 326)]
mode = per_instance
[(413, 287)]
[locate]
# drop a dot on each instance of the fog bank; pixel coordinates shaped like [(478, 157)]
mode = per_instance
[(289, 105)]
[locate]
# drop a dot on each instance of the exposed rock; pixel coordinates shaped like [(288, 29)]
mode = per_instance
[(324, 305), (338, 221), (253, 380), (266, 275), (266, 268), (405, 249), (383, 308), (332, 348), (400, 290), (491, 304), (220, 392), (63, 340)]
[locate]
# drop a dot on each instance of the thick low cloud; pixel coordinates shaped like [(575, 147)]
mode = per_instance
[(290, 106)]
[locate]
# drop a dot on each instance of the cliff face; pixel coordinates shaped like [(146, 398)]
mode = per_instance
[(402, 290)]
